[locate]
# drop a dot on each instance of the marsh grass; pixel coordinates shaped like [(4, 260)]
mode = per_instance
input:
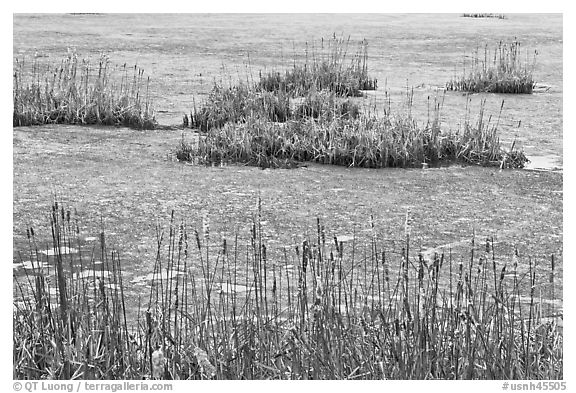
[(69, 315), (339, 136), (236, 103), (329, 308), (505, 70), (320, 87), (330, 67), (240, 103), (75, 91), (325, 106), (304, 116)]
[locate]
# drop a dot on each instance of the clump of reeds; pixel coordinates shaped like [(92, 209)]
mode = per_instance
[(280, 122), (325, 106), (354, 140), (236, 103), (484, 15), (69, 311), (327, 308), (78, 92), (330, 68), (317, 88), (504, 71)]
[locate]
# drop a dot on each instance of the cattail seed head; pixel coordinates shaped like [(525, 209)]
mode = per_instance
[(515, 261), (206, 227), (198, 244), (408, 223)]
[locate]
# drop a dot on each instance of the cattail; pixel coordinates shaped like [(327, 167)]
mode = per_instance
[(206, 227), (259, 205), (386, 267), (551, 278), (515, 261), (502, 273), (422, 301), (304, 256), (319, 290), (408, 223), (198, 244)]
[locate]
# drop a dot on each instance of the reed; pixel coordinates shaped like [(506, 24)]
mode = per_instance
[(505, 70), (317, 88), (75, 91), (340, 137), (329, 67), (282, 122), (70, 313), (236, 103), (324, 309)]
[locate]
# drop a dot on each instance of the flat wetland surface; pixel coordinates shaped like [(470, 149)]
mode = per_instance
[(129, 181)]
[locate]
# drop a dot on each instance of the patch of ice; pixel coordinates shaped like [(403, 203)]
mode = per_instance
[(28, 265), (551, 302), (92, 273), (152, 276), (63, 251), (543, 163), (226, 288)]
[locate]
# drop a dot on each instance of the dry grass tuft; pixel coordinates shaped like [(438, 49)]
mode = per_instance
[(334, 134), (502, 72), (326, 68)]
